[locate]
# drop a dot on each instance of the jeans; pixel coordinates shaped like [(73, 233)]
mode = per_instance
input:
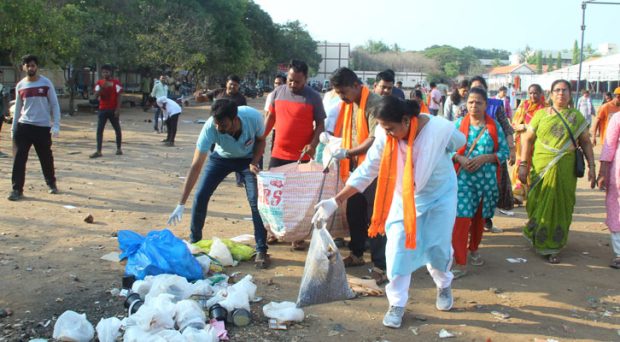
[(359, 213), (214, 173), (171, 127), (105, 115), (25, 136), (159, 114)]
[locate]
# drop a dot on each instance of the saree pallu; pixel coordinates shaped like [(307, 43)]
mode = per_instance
[(551, 199)]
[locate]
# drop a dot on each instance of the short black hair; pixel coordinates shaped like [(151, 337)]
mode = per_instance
[(233, 78), (390, 71), (30, 58), (299, 66), (393, 109), (479, 79), (224, 109), (107, 67), (503, 88), (399, 82), (481, 92), (433, 84), (385, 76), (343, 77), (282, 77)]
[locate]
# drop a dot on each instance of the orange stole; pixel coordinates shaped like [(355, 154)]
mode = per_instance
[(386, 184), (491, 127), (344, 129)]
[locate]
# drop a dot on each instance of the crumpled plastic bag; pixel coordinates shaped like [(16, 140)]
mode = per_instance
[(221, 253), (192, 334), (236, 298), (136, 334), (108, 329), (159, 252), (156, 314), (72, 326), (170, 335), (283, 312), (202, 288), (239, 251), (189, 314), (247, 285), (324, 279), (176, 286)]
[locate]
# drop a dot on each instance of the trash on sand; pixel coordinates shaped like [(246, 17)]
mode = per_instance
[(221, 252), (507, 212), (112, 256), (200, 121), (283, 312), (324, 279), (189, 314), (239, 251), (516, 260), (69, 206), (443, 333), (500, 315), (274, 324), (159, 252), (246, 239), (108, 329), (364, 287), (415, 330), (192, 334), (71, 326), (220, 329)]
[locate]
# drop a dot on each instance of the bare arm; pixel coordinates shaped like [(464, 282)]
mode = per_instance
[(345, 193), (259, 149), (586, 146), (270, 121), (192, 175), (361, 148)]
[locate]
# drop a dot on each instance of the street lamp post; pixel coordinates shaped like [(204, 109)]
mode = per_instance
[(583, 30)]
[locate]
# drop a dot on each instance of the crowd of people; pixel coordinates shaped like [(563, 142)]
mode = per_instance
[(421, 186)]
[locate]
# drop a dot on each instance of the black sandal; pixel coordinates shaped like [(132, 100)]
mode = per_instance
[(553, 259)]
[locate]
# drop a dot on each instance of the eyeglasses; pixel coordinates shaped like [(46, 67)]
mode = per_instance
[(560, 90)]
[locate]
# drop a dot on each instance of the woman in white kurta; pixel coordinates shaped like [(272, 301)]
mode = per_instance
[(435, 199)]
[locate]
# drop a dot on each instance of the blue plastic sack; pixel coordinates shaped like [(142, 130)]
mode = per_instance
[(160, 252)]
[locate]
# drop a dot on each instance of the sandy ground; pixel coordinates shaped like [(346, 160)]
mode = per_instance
[(50, 258)]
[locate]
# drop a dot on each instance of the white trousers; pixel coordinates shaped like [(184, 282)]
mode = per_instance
[(397, 290), (615, 242)]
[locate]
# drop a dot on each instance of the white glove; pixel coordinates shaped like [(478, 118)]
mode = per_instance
[(324, 210), (324, 137), (55, 132), (176, 215), (340, 154)]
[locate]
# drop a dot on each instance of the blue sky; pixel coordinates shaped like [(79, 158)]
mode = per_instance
[(415, 24)]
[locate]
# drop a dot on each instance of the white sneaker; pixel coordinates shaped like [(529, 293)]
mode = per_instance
[(394, 317), (444, 299)]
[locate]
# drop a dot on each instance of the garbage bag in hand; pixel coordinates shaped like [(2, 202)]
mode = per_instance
[(108, 329), (71, 326), (160, 252), (324, 279)]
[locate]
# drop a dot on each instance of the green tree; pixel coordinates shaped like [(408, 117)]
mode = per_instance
[(539, 62), (376, 46), (296, 43), (452, 69), (445, 54), (576, 52), (496, 62), (558, 61)]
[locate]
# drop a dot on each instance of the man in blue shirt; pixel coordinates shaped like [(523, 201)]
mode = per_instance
[(237, 133)]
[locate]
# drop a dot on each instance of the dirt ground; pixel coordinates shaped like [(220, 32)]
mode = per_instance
[(50, 258)]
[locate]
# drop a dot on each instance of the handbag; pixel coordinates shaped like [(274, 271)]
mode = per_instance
[(580, 164)]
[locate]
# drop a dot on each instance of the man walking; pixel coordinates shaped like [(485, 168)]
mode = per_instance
[(238, 135), (159, 89), (584, 105), (37, 114), (108, 90), (230, 91), (434, 99)]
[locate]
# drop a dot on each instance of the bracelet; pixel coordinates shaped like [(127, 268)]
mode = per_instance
[(523, 162)]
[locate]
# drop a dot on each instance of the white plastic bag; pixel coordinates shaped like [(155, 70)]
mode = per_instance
[(108, 329), (154, 315), (189, 314), (171, 284), (171, 335), (200, 335), (324, 279), (221, 253), (205, 263), (202, 288), (142, 287), (236, 299), (284, 312), (246, 285), (71, 326), (136, 334)]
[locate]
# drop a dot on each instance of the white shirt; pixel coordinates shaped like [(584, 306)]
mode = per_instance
[(172, 108)]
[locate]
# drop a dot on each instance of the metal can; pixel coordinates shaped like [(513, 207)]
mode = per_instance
[(241, 317), (218, 312)]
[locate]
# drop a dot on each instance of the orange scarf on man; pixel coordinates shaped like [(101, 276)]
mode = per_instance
[(386, 184), (344, 129)]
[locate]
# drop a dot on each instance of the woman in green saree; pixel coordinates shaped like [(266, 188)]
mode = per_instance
[(551, 199)]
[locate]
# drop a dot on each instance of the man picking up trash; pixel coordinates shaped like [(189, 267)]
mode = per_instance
[(237, 133)]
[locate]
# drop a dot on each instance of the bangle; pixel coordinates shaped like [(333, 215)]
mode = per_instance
[(523, 162)]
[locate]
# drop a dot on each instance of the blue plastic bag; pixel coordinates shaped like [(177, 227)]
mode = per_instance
[(160, 252)]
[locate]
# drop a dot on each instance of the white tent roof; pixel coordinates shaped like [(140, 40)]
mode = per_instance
[(601, 69)]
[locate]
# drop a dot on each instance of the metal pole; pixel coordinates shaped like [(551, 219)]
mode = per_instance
[(583, 30)]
